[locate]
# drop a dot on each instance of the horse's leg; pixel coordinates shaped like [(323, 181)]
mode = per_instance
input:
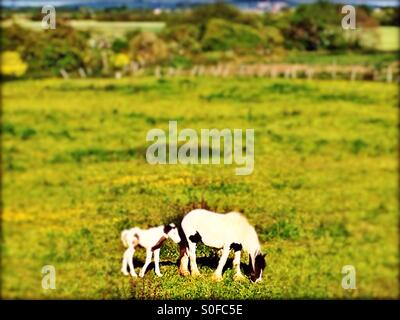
[(218, 272), (157, 262), (192, 256), (149, 253), (236, 264), (128, 256), (184, 261), (130, 262), (125, 260)]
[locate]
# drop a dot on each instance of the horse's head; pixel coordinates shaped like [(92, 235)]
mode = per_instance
[(172, 232), (258, 266)]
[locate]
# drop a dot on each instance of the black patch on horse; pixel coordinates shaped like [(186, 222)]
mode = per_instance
[(236, 246), (159, 243), (167, 228), (259, 265), (196, 238), (182, 235)]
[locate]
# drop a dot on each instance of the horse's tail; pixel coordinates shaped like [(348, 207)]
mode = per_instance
[(124, 237), (183, 260), (130, 235), (184, 243)]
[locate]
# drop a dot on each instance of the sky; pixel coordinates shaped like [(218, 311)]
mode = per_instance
[(20, 3)]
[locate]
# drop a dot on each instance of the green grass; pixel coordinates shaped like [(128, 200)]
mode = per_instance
[(114, 29), (323, 193), (387, 47), (389, 38), (346, 59)]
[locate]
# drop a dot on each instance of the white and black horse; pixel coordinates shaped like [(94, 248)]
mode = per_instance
[(230, 231), (150, 239)]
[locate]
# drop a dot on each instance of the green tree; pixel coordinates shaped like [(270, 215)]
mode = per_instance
[(273, 38), (222, 35), (184, 38), (315, 26), (62, 48), (119, 45), (387, 16)]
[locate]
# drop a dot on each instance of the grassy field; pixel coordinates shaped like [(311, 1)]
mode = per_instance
[(110, 29), (345, 59), (389, 38), (323, 193)]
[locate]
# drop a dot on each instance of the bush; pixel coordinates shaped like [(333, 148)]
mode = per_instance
[(147, 48), (183, 38), (222, 35), (120, 60), (16, 38), (119, 45), (318, 26), (387, 16), (273, 38), (314, 26), (12, 64), (220, 10)]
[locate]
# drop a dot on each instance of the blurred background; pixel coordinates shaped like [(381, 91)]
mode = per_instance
[(120, 38)]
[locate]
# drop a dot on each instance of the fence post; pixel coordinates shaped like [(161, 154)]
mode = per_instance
[(294, 72), (273, 72), (134, 67), (64, 74), (389, 74), (104, 61), (193, 71), (157, 72), (309, 73), (82, 72), (353, 75), (171, 71), (287, 73)]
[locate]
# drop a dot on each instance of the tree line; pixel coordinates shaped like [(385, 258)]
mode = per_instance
[(208, 34)]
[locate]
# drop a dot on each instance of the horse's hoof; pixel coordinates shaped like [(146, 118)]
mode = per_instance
[(239, 277), (184, 273), (195, 274), (134, 275), (159, 275), (216, 277), (125, 272), (141, 275)]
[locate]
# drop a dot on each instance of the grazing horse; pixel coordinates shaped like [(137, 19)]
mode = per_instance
[(151, 239), (223, 231)]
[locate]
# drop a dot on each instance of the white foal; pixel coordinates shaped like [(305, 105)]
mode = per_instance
[(150, 239), (223, 231)]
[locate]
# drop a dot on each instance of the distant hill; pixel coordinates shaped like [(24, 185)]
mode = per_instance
[(171, 4)]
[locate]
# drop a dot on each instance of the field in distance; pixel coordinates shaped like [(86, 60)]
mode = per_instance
[(112, 29)]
